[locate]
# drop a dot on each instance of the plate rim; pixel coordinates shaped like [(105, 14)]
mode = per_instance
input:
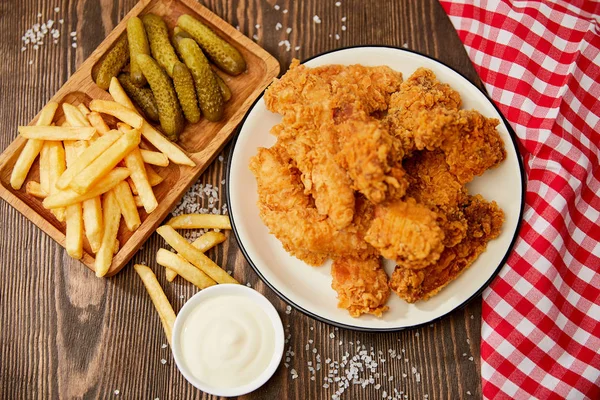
[(313, 315)]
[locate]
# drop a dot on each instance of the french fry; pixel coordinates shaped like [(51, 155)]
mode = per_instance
[(74, 212), (117, 246), (118, 94), (56, 167), (92, 222), (32, 148), (45, 166), (153, 177), (67, 197), (135, 164), (105, 162), (88, 156), (159, 299), (138, 201), (118, 111), (34, 189), (194, 255), (111, 216), (127, 206), (57, 133), (154, 158), (163, 144), (203, 243), (73, 116), (123, 127), (98, 122), (189, 272), (84, 110), (200, 221)]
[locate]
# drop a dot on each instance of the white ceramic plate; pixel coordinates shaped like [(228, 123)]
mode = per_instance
[(309, 288)]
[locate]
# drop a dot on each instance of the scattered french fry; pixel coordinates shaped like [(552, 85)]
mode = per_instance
[(127, 206), (163, 144), (153, 177), (57, 133), (135, 164), (189, 272), (67, 197), (92, 222), (34, 189), (105, 162), (159, 299), (32, 148), (88, 156), (200, 221), (111, 217), (98, 122), (154, 158), (194, 255), (138, 201), (57, 165), (73, 116), (118, 111), (203, 243), (84, 110)]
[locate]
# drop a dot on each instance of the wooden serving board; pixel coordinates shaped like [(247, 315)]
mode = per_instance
[(201, 141)]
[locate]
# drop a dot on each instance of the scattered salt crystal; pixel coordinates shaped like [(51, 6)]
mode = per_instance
[(344, 19), (248, 284), (297, 48), (39, 15), (30, 62), (163, 361), (314, 350), (418, 377), (257, 26), (276, 7), (343, 27), (288, 30), (255, 36), (338, 3), (331, 335), (470, 358), (469, 392), (312, 328), (288, 309), (285, 11), (337, 37), (74, 45), (73, 34), (56, 9), (405, 45), (230, 272), (117, 392), (278, 26), (61, 21), (163, 346), (316, 19)]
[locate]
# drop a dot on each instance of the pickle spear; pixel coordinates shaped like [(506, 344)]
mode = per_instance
[(113, 62), (186, 92), (207, 88), (169, 111), (138, 44), (224, 55), (142, 96), (160, 46)]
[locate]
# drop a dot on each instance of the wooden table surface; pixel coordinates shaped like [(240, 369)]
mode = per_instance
[(67, 334)]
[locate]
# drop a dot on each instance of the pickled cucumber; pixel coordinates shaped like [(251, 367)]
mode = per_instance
[(141, 96), (207, 88), (138, 44), (186, 92), (224, 55), (169, 111), (225, 91), (113, 62), (160, 46)]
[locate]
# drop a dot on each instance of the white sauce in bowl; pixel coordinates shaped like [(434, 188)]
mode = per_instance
[(227, 341)]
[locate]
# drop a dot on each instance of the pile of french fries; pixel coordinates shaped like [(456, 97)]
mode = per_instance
[(189, 261), (91, 175)]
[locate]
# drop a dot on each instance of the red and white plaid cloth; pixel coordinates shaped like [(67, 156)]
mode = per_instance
[(540, 62)]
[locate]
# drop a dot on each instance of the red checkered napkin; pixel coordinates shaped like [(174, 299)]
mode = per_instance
[(540, 62)]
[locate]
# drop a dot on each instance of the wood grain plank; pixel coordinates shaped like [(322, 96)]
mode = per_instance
[(67, 334)]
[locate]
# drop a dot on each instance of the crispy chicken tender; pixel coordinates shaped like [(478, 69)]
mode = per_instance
[(420, 92), (484, 224), (432, 185), (469, 140), (321, 108), (361, 285), (291, 215), (407, 232)]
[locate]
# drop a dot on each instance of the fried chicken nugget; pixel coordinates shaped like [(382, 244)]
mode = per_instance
[(361, 285), (484, 224), (407, 232)]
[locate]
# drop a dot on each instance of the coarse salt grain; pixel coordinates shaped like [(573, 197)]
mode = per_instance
[(255, 36), (344, 19), (338, 3), (285, 11), (163, 361), (276, 7), (278, 26), (343, 27), (288, 30), (163, 346), (316, 19)]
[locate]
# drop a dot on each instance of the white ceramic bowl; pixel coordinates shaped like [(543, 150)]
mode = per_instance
[(309, 289), (223, 290)]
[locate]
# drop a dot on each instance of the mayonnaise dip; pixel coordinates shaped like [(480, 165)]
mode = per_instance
[(227, 341)]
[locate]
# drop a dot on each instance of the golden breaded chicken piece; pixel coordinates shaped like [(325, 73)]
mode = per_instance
[(469, 140), (318, 106), (291, 215), (407, 232), (421, 91), (432, 184), (361, 285), (484, 224)]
